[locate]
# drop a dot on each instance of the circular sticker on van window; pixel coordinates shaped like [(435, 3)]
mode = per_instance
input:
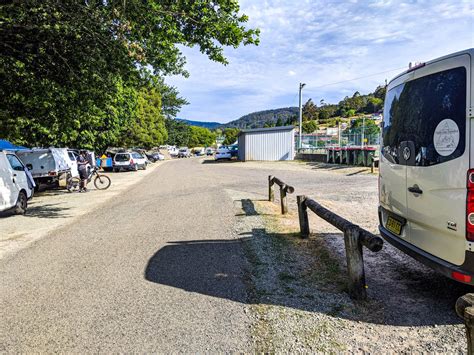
[(446, 137)]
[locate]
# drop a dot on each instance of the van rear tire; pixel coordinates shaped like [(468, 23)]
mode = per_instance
[(21, 203)]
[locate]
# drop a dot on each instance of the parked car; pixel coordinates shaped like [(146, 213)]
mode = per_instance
[(209, 151), (129, 161), (173, 151), (426, 181), (155, 156), (199, 151), (15, 189), (48, 167), (184, 152), (223, 153), (234, 150)]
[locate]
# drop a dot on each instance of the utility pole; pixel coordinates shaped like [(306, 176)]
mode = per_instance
[(363, 131), (301, 115)]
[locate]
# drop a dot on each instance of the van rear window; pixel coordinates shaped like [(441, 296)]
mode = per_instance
[(425, 119)]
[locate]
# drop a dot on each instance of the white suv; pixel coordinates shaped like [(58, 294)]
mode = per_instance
[(426, 182), (129, 161)]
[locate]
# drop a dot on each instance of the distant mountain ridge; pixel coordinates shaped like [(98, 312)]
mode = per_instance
[(259, 118), (252, 120), (209, 125)]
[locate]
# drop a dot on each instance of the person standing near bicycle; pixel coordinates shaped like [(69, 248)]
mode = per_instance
[(82, 163)]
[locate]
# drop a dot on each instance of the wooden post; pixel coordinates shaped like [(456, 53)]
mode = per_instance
[(303, 216), (355, 263), (465, 310), (271, 194), (283, 201)]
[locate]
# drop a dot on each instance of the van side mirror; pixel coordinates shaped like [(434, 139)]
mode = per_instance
[(29, 166)]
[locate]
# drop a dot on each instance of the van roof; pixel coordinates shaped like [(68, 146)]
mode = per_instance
[(469, 52)]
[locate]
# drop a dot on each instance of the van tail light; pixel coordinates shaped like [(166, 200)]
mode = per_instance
[(470, 206), (52, 173), (461, 277)]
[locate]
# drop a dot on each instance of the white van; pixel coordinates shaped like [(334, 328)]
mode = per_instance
[(14, 188), (426, 181), (49, 167)]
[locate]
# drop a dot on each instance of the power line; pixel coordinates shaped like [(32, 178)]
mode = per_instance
[(361, 77)]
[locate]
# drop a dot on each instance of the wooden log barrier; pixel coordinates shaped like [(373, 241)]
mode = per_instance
[(465, 310), (271, 194), (284, 190), (354, 238)]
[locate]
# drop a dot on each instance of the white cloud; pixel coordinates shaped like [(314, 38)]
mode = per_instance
[(321, 42)]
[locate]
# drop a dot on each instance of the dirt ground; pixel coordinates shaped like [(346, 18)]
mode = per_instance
[(298, 287), (51, 209)]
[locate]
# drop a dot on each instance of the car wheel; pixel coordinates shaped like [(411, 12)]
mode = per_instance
[(135, 167), (144, 167), (21, 203), (116, 170)]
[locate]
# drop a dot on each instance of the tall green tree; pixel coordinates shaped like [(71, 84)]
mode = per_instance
[(230, 135), (179, 133), (61, 60), (201, 137)]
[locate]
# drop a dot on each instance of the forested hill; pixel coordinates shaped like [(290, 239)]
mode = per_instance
[(209, 125), (260, 118)]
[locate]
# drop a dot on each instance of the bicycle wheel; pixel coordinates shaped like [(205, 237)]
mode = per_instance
[(73, 184), (102, 182)]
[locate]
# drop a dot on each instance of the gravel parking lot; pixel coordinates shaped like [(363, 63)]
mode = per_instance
[(299, 286), (194, 258), (52, 209)]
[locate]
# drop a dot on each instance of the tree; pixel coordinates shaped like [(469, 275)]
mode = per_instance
[(63, 63), (310, 126), (279, 122), (147, 127), (179, 133), (230, 135), (310, 111), (201, 137)]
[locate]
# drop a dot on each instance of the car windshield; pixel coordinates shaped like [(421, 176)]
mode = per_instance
[(122, 157)]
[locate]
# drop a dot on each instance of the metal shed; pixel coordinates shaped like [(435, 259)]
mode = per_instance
[(274, 143)]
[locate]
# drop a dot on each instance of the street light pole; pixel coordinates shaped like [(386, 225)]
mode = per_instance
[(363, 131), (301, 115)]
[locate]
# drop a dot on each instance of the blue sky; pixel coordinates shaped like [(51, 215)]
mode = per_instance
[(321, 42)]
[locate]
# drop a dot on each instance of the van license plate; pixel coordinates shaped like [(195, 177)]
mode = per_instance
[(394, 226)]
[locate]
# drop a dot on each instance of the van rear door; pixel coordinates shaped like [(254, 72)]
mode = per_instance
[(436, 133), (393, 170)]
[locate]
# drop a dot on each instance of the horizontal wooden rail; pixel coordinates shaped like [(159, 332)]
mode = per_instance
[(284, 190), (354, 238)]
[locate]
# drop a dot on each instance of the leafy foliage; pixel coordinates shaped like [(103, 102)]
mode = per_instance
[(230, 135), (310, 126), (89, 73)]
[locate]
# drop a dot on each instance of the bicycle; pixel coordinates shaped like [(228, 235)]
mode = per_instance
[(101, 182)]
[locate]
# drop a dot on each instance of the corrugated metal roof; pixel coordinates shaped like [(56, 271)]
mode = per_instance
[(268, 129)]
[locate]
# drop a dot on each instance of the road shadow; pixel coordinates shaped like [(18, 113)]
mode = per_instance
[(357, 172), (47, 211), (220, 161), (401, 291), (208, 267)]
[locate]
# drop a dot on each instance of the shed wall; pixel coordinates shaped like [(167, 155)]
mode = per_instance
[(272, 145)]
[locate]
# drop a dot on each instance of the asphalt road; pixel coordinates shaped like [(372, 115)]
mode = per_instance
[(157, 269)]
